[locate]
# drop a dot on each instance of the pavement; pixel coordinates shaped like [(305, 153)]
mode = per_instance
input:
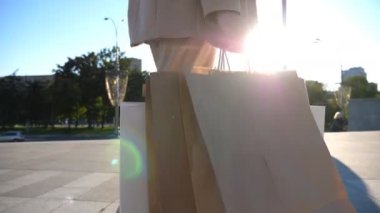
[(357, 156), (59, 176), (83, 175), (66, 137)]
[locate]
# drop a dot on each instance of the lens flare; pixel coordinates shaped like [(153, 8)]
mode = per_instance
[(114, 162), (132, 161)]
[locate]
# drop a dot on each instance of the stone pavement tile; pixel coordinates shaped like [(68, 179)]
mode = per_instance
[(13, 174), (67, 193), (4, 188), (33, 177), (82, 207), (91, 180), (8, 202), (105, 192), (45, 185), (36, 205), (10, 163), (73, 165), (31, 164), (112, 208), (2, 171)]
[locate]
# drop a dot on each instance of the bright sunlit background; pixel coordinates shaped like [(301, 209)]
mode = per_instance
[(320, 39), (322, 36)]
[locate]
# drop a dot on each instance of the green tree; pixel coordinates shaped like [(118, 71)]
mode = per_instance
[(79, 114), (319, 96), (102, 109), (91, 81), (331, 108), (37, 103), (66, 91), (107, 59), (316, 93), (360, 87), (12, 96), (135, 85), (79, 90)]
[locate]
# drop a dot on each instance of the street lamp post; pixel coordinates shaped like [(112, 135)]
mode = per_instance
[(284, 18), (116, 80), (284, 9)]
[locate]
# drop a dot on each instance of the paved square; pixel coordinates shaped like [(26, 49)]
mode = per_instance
[(59, 176), (82, 176), (357, 156)]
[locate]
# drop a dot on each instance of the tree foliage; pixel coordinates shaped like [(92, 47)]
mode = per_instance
[(38, 107), (135, 85), (319, 96), (360, 87), (316, 93), (65, 91), (12, 96), (77, 95)]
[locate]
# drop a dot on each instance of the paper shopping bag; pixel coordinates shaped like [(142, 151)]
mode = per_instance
[(264, 145), (181, 178)]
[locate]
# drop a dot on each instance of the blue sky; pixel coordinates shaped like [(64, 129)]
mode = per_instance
[(36, 35)]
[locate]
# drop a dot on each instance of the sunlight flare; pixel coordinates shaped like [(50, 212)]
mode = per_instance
[(267, 49)]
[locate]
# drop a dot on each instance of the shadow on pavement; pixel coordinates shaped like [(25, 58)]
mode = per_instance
[(357, 190)]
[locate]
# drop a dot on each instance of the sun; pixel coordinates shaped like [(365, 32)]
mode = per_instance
[(271, 47), (267, 49)]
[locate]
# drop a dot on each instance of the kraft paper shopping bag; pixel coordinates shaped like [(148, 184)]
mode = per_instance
[(264, 144), (181, 178)]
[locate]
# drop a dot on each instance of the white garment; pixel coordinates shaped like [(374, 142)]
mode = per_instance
[(182, 55), (156, 19)]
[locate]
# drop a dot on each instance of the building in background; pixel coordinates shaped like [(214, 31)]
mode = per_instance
[(354, 71), (38, 78), (364, 114), (135, 64)]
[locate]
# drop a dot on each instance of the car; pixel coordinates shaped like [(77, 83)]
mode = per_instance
[(12, 136)]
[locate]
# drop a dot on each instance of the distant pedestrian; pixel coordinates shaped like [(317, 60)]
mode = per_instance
[(338, 122)]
